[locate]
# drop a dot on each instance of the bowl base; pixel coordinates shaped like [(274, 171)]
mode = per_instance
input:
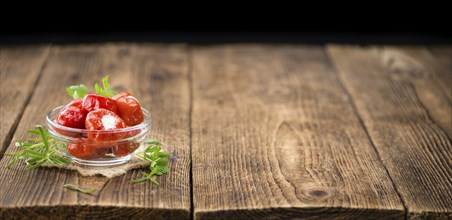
[(102, 162)]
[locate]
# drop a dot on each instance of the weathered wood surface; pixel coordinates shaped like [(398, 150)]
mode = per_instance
[(274, 136), (19, 71), (258, 131), (150, 72), (403, 98)]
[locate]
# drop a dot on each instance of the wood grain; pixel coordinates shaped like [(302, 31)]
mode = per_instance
[(274, 135), (276, 132), (403, 97), (20, 68), (441, 56), (151, 72), (431, 77)]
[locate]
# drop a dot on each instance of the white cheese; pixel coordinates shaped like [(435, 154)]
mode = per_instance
[(109, 122)]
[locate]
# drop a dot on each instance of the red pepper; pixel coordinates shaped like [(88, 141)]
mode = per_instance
[(129, 108), (72, 115), (86, 151), (104, 120), (125, 149), (92, 102)]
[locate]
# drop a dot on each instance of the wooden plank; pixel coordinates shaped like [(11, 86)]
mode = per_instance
[(19, 70), (158, 76), (441, 57), (404, 105), (431, 77), (274, 136)]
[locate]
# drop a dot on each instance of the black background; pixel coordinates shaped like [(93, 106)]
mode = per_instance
[(381, 25)]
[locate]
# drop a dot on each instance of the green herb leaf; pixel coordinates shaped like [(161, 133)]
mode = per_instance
[(158, 161), (153, 141), (76, 188), (139, 180), (154, 181), (37, 151), (105, 91), (78, 91)]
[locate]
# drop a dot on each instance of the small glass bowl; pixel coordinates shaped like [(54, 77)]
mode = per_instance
[(111, 147)]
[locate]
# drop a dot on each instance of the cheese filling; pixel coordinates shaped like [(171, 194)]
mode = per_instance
[(109, 122)]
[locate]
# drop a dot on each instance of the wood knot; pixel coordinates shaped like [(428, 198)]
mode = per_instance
[(318, 193), (403, 66), (315, 194)]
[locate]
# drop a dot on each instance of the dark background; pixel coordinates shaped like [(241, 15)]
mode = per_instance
[(290, 25), (305, 36)]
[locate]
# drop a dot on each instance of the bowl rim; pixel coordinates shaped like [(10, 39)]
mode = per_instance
[(146, 123)]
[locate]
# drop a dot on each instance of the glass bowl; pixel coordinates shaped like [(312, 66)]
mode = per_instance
[(110, 147)]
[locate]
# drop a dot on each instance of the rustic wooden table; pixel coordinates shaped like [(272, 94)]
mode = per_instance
[(259, 131)]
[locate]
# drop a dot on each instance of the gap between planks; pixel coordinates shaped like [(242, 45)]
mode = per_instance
[(360, 119), (190, 112)]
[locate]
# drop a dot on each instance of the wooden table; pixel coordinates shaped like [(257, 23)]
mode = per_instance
[(259, 131)]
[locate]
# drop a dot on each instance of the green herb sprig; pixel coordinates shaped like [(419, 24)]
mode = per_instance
[(76, 188), (37, 151), (105, 91), (79, 91), (158, 161)]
